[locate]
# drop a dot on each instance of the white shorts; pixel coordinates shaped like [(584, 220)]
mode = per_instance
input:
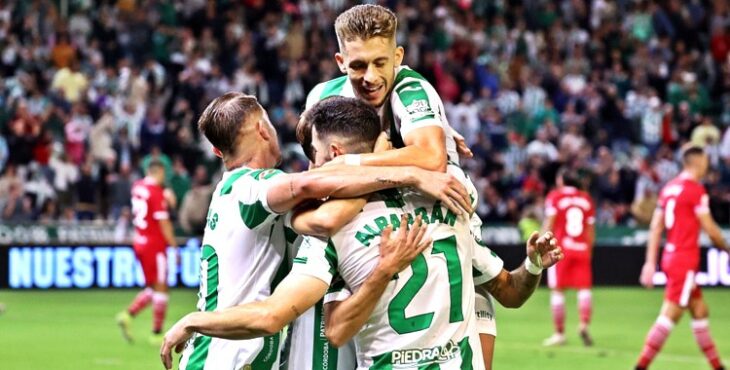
[(486, 320)]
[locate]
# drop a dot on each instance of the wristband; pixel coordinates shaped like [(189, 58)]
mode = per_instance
[(352, 159), (532, 268)]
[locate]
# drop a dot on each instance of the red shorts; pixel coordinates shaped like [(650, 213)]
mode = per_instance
[(154, 263), (681, 285), (574, 271)]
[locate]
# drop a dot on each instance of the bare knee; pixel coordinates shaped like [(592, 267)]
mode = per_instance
[(698, 309)]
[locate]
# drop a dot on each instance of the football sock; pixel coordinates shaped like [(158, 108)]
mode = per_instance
[(159, 308), (655, 340), (585, 307), (141, 301), (701, 330), (557, 304)]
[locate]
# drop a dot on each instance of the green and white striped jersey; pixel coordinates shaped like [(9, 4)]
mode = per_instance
[(243, 258), (412, 104), (426, 316)]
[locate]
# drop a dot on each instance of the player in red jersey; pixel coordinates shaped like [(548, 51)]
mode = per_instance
[(153, 233), (570, 215), (682, 210)]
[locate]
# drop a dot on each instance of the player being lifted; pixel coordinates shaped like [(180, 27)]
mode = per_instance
[(683, 210), (245, 235), (570, 214), (410, 109), (353, 254), (153, 233)]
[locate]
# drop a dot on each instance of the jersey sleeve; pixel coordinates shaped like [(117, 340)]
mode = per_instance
[(701, 201), (316, 258), (487, 265), (416, 104), (158, 206), (252, 196), (338, 291), (314, 95)]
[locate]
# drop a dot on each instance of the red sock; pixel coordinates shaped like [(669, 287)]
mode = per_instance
[(701, 330), (655, 340), (585, 307), (141, 301), (557, 303), (159, 308)]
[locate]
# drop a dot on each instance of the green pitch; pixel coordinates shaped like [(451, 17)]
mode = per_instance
[(76, 330)]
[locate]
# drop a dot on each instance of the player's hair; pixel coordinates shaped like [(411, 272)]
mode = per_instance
[(690, 151), (350, 119), (570, 177), (304, 135), (224, 117), (365, 22), (155, 166)]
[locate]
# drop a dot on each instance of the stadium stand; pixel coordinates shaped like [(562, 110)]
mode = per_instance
[(93, 91)]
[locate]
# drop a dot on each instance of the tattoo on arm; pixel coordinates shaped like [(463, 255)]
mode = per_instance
[(291, 189), (295, 310), (383, 180), (515, 288)]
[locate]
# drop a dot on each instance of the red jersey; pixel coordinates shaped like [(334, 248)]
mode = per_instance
[(574, 213), (682, 200), (148, 207)]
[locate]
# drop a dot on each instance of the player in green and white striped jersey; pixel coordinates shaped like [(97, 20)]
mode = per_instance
[(244, 250), (411, 111), (301, 290)]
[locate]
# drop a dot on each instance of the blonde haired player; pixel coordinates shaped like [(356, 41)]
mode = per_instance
[(410, 109)]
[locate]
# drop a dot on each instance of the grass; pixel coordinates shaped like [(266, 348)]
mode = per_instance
[(75, 330)]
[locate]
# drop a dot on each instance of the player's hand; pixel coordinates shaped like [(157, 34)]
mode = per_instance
[(383, 143), (446, 188), (396, 254), (544, 250), (175, 338), (647, 275), (461, 146)]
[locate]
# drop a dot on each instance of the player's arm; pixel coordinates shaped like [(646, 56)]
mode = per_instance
[(343, 181), (327, 218), (343, 319), (425, 148), (294, 295), (512, 289), (713, 231), (548, 224), (168, 232), (652, 248)]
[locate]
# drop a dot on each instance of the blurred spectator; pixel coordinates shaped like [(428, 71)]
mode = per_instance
[(614, 88), (194, 208)]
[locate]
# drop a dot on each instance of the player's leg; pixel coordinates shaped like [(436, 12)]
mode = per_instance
[(159, 297), (141, 300), (556, 276), (701, 329), (585, 299), (486, 326), (679, 284)]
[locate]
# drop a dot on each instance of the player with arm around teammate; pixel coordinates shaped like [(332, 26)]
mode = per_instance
[(410, 109), (683, 209), (570, 215), (153, 233), (354, 255), (246, 233)]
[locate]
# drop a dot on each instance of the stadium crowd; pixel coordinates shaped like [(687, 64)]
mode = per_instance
[(93, 92)]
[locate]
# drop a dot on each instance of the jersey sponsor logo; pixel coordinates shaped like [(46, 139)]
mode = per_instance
[(484, 314), (419, 108), (422, 356)]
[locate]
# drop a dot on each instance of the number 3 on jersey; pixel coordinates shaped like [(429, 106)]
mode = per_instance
[(397, 307)]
